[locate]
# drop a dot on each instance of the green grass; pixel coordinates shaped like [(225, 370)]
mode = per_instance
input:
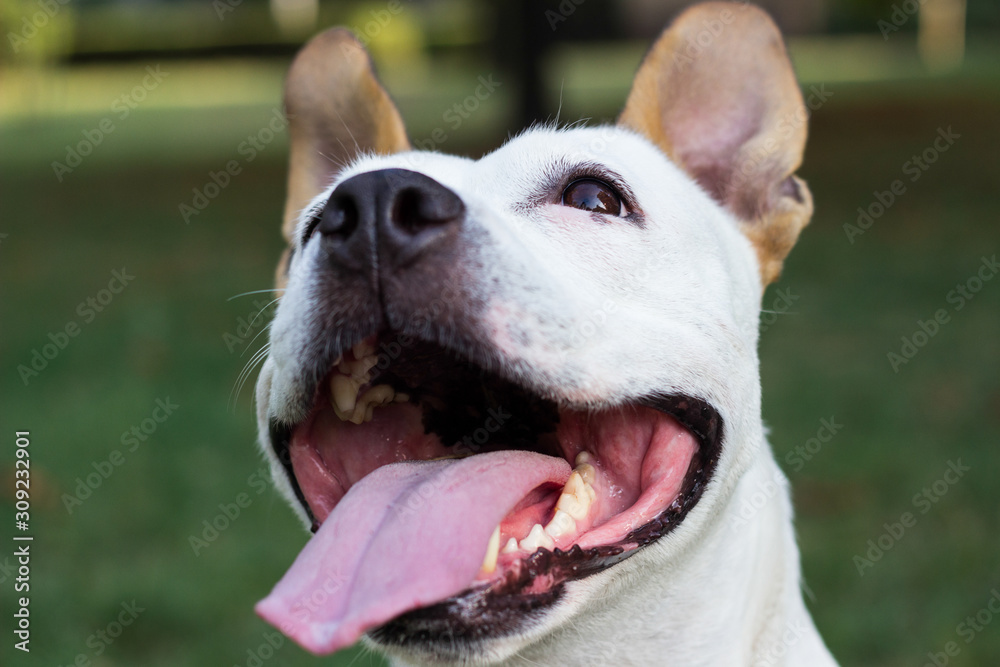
[(163, 337)]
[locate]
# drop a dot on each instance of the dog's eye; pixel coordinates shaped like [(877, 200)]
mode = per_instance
[(589, 194)]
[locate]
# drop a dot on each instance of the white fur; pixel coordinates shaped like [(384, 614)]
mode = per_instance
[(673, 308)]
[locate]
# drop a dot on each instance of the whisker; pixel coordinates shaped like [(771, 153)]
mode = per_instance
[(259, 291), (273, 301), (258, 357)]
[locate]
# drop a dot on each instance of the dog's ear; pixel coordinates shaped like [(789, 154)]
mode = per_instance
[(717, 93), (336, 108)]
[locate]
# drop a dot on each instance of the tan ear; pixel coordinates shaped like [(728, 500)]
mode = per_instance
[(336, 109), (718, 95)]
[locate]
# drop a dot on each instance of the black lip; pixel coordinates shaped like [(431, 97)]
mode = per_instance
[(503, 606)]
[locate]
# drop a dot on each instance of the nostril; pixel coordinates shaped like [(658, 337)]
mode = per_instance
[(415, 209), (340, 217), (407, 213)]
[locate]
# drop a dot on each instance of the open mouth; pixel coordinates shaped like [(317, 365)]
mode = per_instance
[(451, 502)]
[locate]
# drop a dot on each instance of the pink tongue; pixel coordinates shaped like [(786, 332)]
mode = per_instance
[(406, 535)]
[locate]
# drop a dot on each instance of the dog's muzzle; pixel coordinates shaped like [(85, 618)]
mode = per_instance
[(451, 501)]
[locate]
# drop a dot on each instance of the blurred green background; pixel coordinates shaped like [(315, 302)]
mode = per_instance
[(175, 334)]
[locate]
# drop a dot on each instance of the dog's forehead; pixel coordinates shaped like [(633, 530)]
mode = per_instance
[(533, 157), (540, 149)]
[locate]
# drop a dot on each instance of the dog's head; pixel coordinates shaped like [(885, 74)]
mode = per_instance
[(496, 387)]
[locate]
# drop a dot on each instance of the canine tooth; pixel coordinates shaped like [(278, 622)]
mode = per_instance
[(561, 524), (492, 551), (400, 397), (344, 392), (511, 547), (537, 538)]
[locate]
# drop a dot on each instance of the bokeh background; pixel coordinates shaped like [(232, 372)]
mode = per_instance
[(115, 115)]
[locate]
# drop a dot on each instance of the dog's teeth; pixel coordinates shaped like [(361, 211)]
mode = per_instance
[(492, 551), (344, 395), (561, 524), (401, 397), (577, 496), (363, 366), (537, 538), (373, 397), (359, 369), (511, 547), (585, 466), (363, 348)]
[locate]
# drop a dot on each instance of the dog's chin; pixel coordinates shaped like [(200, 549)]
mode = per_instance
[(637, 470)]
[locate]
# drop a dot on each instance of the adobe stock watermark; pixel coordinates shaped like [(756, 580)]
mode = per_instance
[(468, 445), (958, 297), (788, 125), (121, 107), (103, 638), (901, 13), (924, 501), (229, 512), (305, 609), (131, 440), (915, 167), (88, 309), (802, 454), (223, 7), (781, 305), (273, 641), (769, 488), (31, 25), (380, 18), (792, 634), (967, 630), (561, 13), (455, 116), (218, 181)]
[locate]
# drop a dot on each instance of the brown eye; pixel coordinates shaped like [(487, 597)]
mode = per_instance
[(590, 194)]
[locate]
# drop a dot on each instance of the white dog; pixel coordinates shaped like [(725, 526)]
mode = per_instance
[(518, 398)]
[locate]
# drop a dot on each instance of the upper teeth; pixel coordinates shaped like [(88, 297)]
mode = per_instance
[(492, 552), (578, 494), (351, 375), (574, 504), (344, 392)]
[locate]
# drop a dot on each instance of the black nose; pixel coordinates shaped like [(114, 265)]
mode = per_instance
[(388, 219)]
